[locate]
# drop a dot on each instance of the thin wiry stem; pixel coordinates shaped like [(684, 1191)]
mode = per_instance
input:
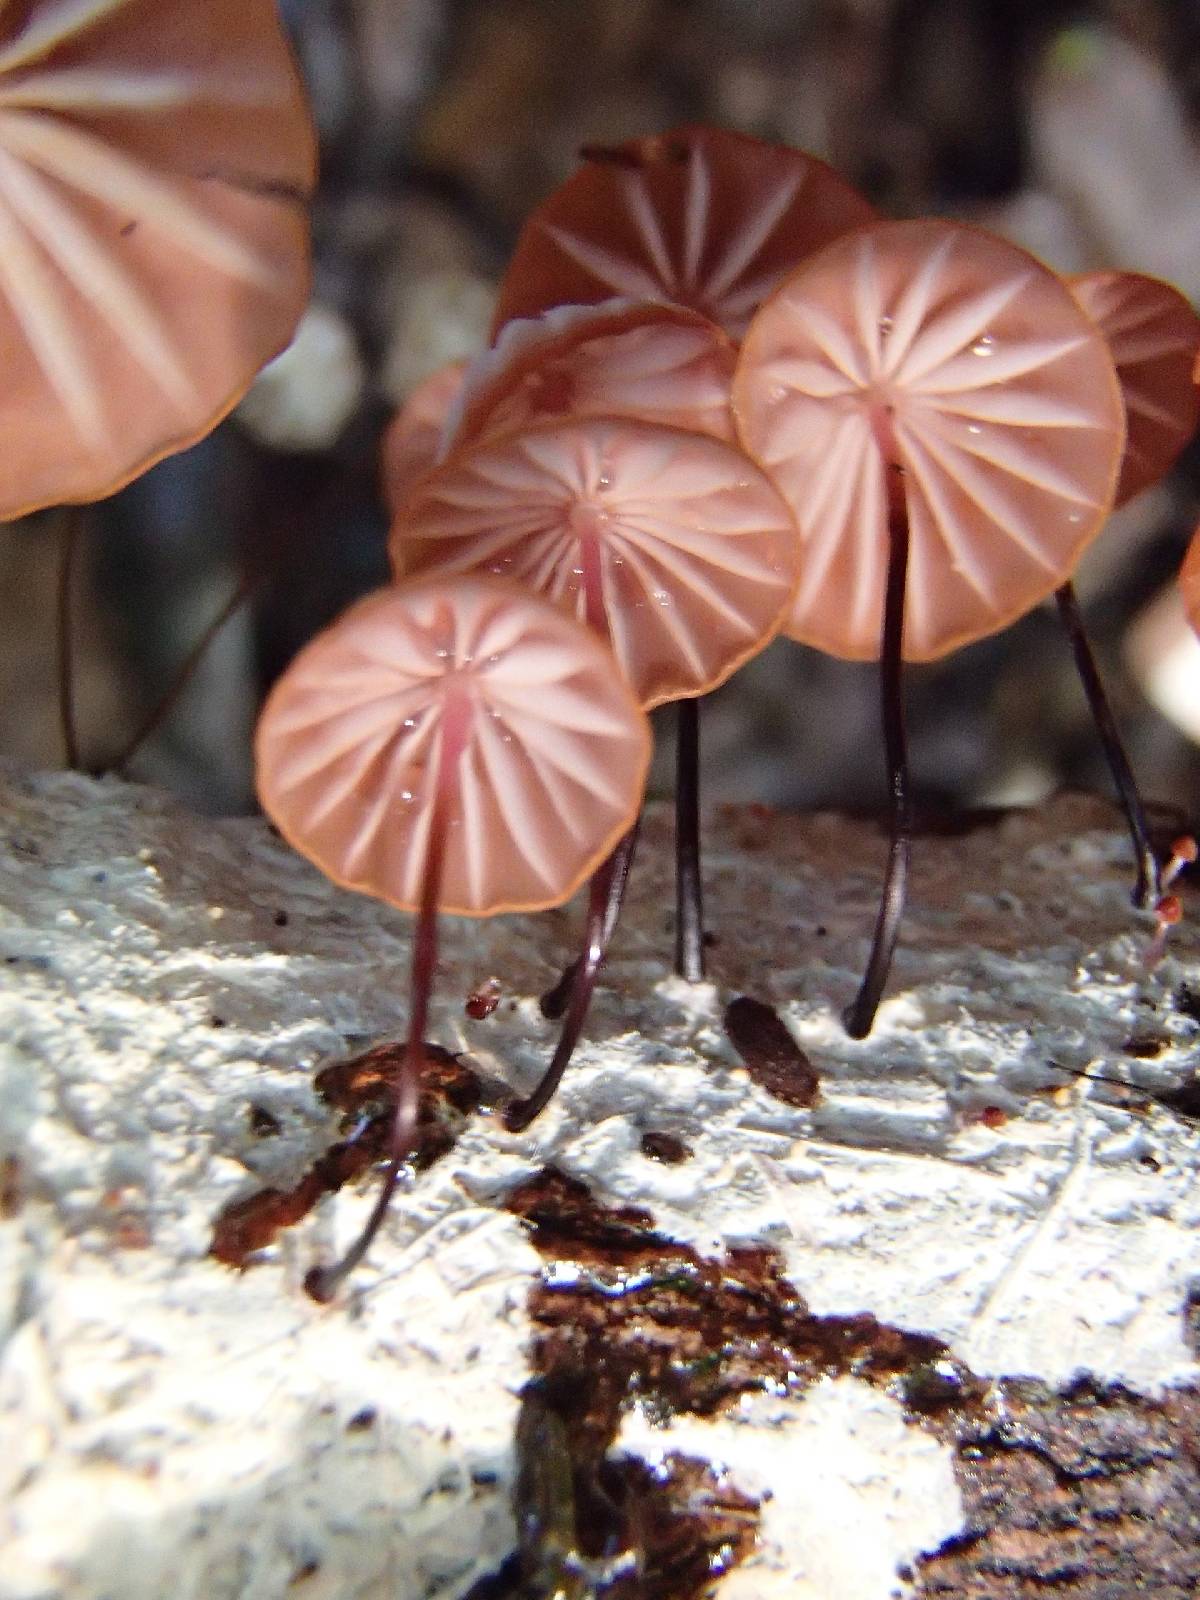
[(860, 1017), (165, 705), (1147, 888), (605, 896), (71, 537), (323, 1283), (554, 1002), (689, 889)]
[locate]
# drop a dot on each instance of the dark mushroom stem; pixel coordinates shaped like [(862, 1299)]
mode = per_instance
[(860, 1017), (605, 896), (689, 890), (554, 1002), (71, 538), (556, 999), (166, 703), (1147, 888), (323, 1283)]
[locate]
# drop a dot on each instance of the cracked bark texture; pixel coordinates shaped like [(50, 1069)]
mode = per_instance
[(1089, 1493)]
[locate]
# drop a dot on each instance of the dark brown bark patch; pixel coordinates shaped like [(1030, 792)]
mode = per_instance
[(360, 1088), (625, 1315), (1146, 1046), (772, 1057), (1184, 1101), (665, 1147), (1091, 1493), (10, 1188)]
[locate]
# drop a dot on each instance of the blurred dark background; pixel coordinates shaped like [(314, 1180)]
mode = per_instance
[(1071, 128)]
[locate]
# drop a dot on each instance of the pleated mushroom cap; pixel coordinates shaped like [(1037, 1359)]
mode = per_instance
[(1189, 581), (702, 217), (658, 363), (971, 368), (413, 440), (1154, 337), (670, 544), (156, 159), (474, 685)]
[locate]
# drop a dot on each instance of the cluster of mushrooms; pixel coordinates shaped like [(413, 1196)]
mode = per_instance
[(723, 400)]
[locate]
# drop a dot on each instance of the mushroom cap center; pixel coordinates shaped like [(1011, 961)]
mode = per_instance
[(586, 520)]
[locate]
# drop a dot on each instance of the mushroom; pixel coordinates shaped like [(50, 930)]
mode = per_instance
[(1154, 338), (702, 217), (457, 745), (657, 363), (948, 428), (698, 217), (670, 544), (156, 159)]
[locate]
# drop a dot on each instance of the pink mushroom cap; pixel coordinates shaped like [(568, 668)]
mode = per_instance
[(156, 160), (673, 545), (474, 684), (1154, 337), (702, 217), (955, 357)]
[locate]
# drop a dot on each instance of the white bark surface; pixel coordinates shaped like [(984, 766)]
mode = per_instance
[(170, 1427), (876, 1493)]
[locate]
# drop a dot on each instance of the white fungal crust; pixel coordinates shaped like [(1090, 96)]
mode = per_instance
[(471, 698), (954, 356), (1154, 337), (876, 1494), (701, 217), (672, 543), (155, 162)]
